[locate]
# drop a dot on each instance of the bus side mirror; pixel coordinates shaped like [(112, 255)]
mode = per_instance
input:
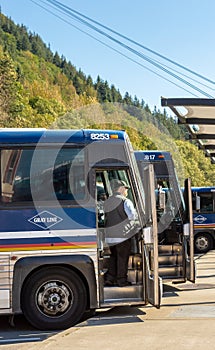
[(197, 203), (186, 229), (162, 200)]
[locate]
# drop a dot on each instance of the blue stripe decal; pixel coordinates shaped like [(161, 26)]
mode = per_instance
[(16, 220)]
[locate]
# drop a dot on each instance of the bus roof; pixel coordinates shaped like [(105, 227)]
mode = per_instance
[(203, 189), (152, 155), (33, 136)]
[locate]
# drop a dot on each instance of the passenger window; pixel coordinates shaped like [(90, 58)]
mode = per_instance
[(206, 202), (42, 174)]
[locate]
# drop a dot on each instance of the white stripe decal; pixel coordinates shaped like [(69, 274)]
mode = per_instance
[(48, 233)]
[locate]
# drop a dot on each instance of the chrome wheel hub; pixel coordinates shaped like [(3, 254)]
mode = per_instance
[(54, 298), (202, 243)]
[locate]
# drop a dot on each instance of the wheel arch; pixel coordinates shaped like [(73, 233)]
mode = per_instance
[(208, 231), (27, 266)]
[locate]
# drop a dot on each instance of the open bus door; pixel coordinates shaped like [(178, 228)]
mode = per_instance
[(188, 233), (145, 285), (153, 281)]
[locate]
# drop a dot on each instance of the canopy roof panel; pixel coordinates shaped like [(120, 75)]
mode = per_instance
[(198, 114)]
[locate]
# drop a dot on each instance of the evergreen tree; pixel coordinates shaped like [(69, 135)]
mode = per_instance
[(127, 99), (57, 60)]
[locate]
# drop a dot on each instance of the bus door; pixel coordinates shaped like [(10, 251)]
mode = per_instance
[(188, 236), (150, 233), (143, 282)]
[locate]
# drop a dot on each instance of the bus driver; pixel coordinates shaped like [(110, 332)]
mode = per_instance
[(119, 216)]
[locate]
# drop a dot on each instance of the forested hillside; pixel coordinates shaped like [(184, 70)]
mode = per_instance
[(39, 88)]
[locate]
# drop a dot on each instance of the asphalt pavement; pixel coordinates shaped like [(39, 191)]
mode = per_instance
[(186, 320)]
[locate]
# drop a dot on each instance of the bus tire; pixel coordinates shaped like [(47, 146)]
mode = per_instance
[(53, 298), (203, 242)]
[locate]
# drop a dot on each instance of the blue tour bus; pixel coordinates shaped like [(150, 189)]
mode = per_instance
[(174, 215), (204, 218), (52, 245)]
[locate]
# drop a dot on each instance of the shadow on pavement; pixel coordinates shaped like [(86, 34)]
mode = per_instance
[(116, 315), (19, 331)]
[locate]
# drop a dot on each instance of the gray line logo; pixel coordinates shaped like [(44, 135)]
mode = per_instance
[(45, 220), (199, 219)]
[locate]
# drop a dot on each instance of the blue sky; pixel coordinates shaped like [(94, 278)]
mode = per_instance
[(181, 30)]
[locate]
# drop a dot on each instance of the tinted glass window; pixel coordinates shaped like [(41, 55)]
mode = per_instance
[(42, 174), (206, 201)]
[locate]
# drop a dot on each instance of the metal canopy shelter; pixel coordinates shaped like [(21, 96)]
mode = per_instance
[(198, 114)]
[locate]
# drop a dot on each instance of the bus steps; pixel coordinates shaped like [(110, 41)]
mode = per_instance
[(170, 261), (133, 293), (168, 272), (169, 249)]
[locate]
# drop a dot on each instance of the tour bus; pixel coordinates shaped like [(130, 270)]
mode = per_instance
[(174, 215), (53, 254), (204, 218)]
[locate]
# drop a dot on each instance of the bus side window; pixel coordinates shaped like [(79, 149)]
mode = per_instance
[(206, 203), (42, 174)]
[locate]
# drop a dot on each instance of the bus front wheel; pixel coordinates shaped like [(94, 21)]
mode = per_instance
[(203, 242), (53, 298)]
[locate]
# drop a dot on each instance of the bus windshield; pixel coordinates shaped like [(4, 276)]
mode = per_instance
[(166, 183)]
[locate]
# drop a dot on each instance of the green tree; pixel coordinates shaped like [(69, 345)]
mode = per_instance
[(57, 60), (8, 87), (127, 99), (196, 165)]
